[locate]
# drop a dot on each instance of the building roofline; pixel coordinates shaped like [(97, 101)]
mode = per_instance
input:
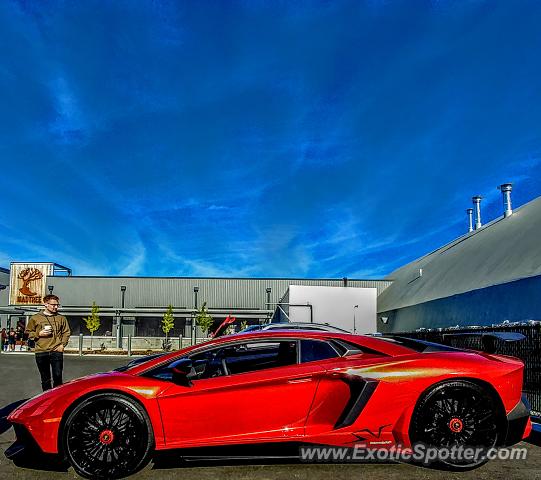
[(457, 240), (225, 278)]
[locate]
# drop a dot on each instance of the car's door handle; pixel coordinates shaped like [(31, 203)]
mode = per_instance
[(304, 379)]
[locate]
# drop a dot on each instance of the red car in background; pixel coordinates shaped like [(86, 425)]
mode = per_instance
[(305, 388)]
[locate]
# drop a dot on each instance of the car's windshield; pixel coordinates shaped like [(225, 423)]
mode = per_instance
[(251, 328), (138, 361)]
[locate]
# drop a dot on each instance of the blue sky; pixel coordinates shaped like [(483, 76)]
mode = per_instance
[(254, 138)]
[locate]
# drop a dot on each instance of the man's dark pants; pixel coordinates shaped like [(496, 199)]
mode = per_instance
[(46, 362)]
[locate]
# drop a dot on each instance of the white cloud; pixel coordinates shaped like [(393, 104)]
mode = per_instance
[(135, 265), (69, 122)]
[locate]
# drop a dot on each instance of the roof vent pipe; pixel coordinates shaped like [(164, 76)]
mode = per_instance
[(469, 211), (477, 205), (506, 192)]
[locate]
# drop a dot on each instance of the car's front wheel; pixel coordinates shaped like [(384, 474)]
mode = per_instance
[(459, 421), (107, 436)]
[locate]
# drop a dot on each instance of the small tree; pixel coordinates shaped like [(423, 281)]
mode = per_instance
[(243, 325), (93, 322), (168, 321), (202, 319)]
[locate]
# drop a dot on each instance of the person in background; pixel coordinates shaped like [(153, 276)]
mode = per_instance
[(12, 339), (3, 339), (31, 344), (51, 333), (19, 336)]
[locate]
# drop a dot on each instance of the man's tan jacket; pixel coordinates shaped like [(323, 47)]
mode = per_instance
[(60, 327)]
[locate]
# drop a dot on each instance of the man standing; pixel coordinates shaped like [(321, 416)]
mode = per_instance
[(51, 333)]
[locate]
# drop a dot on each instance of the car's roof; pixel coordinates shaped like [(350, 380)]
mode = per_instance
[(302, 325), (368, 341)]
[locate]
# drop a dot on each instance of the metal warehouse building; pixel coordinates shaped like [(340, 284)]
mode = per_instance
[(489, 276), (138, 303)]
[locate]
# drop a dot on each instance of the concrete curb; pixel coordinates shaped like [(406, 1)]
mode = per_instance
[(87, 355)]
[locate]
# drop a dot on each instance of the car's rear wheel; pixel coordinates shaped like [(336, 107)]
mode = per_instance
[(107, 436), (460, 421)]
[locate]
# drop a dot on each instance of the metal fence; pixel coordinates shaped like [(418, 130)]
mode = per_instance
[(528, 350)]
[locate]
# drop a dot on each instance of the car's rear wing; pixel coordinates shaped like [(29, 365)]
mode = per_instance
[(488, 339), (481, 341)]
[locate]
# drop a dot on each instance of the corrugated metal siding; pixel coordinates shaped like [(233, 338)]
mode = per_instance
[(513, 302), (156, 292)]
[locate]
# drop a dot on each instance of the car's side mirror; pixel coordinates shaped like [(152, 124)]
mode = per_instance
[(180, 370)]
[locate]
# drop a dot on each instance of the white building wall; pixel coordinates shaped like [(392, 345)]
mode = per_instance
[(337, 306)]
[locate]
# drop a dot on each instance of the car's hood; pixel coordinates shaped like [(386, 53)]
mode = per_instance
[(42, 400)]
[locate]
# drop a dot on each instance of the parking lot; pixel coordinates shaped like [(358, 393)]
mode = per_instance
[(20, 380)]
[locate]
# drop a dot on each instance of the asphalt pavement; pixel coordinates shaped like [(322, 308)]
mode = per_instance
[(20, 379)]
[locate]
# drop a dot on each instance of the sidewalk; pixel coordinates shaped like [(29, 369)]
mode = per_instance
[(88, 355), (17, 352)]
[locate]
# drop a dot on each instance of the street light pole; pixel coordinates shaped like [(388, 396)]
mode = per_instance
[(119, 317), (194, 331), (269, 290), (195, 291), (354, 325)]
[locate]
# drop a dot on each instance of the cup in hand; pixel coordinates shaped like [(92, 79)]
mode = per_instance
[(48, 329)]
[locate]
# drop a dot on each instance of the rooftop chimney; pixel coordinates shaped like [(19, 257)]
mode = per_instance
[(506, 192), (469, 211), (477, 205)]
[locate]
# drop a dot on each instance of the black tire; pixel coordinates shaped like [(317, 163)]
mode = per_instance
[(107, 436), (459, 414)]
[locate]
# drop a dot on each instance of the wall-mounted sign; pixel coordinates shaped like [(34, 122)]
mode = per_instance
[(27, 282)]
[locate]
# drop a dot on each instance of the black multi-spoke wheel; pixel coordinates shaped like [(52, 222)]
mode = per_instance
[(107, 436), (456, 416)]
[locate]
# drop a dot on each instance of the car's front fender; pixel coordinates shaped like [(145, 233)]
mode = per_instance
[(43, 415)]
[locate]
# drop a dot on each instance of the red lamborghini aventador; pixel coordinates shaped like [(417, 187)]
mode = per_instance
[(306, 388)]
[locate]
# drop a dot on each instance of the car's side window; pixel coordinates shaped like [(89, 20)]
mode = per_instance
[(207, 364), (235, 359), (253, 356), (312, 350)]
